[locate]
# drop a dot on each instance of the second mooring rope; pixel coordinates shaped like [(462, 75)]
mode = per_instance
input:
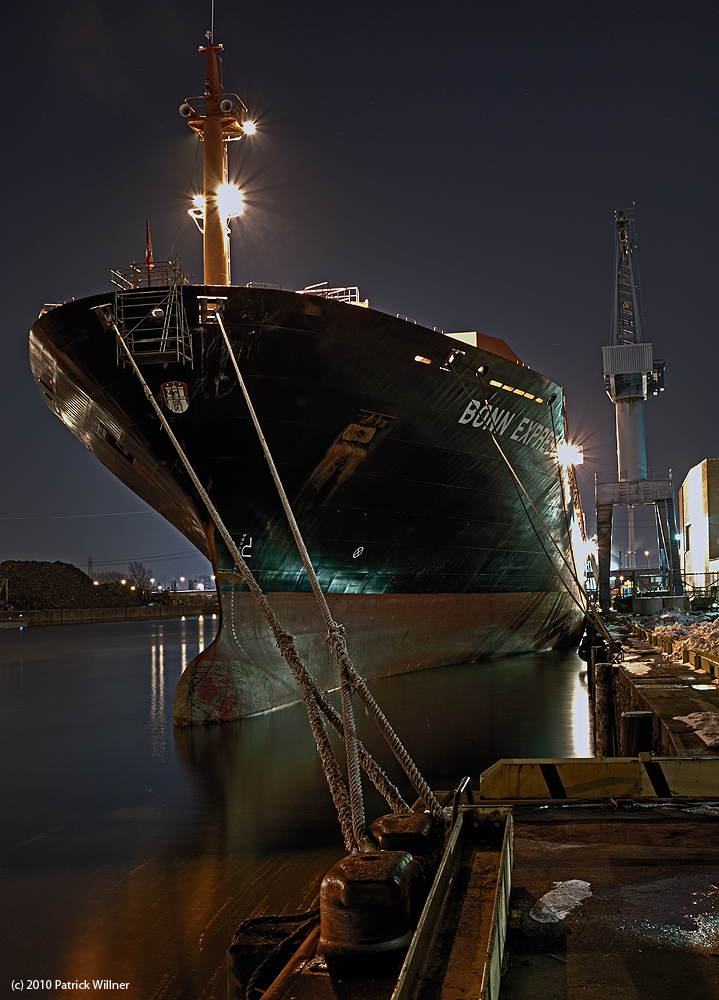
[(336, 639), (314, 699)]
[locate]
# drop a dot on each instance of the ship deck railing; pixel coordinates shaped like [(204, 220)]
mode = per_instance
[(158, 274), (611, 477), (150, 314), (338, 293)]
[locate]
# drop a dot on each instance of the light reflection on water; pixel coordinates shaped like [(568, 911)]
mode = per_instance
[(132, 849), (194, 643), (580, 719), (158, 719)]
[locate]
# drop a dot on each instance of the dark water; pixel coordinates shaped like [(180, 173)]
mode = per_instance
[(130, 850)]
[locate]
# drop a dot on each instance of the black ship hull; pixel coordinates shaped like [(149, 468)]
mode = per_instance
[(430, 498)]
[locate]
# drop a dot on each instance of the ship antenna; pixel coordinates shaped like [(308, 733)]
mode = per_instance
[(212, 22)]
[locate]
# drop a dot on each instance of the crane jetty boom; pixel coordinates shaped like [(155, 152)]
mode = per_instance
[(632, 374)]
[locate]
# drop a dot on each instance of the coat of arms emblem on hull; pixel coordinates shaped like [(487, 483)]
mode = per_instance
[(175, 396)]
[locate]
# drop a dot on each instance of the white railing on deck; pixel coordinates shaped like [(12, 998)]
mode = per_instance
[(339, 293), (159, 273)]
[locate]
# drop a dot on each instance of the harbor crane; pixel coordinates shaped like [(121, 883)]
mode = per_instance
[(631, 375)]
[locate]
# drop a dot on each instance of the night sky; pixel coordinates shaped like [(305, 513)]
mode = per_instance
[(460, 162)]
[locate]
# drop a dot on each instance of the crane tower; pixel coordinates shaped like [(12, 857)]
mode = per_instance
[(631, 375)]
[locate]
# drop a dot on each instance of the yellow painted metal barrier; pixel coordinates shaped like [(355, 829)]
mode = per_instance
[(643, 777)]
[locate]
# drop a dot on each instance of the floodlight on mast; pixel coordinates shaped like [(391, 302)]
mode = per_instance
[(217, 118)]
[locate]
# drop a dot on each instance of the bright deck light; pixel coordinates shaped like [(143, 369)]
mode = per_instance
[(198, 211), (230, 201), (570, 454), (249, 128)]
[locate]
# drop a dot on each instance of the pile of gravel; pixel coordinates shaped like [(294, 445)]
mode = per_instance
[(48, 586)]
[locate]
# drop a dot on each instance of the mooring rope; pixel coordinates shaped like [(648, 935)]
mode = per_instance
[(353, 767), (360, 685), (284, 640), (336, 638), (371, 768), (573, 569), (588, 610), (311, 920), (311, 694), (519, 485)]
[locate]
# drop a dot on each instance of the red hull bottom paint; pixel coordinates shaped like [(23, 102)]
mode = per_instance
[(243, 672)]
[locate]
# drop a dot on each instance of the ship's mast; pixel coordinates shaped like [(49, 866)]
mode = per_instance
[(214, 240), (217, 118)]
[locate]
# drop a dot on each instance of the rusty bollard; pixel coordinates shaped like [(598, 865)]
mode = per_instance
[(365, 904), (603, 710), (637, 733)]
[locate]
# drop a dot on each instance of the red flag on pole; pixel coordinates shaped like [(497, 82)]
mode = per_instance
[(149, 261)]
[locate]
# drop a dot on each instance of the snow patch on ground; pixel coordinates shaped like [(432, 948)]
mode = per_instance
[(705, 725), (560, 901), (686, 633)]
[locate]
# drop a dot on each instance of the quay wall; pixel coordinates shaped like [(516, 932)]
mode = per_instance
[(85, 616), (652, 683)]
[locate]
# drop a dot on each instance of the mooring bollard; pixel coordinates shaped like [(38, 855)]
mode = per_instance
[(603, 710), (595, 654), (636, 734), (365, 904)]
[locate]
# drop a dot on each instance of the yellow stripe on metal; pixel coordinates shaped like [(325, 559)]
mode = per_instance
[(602, 778)]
